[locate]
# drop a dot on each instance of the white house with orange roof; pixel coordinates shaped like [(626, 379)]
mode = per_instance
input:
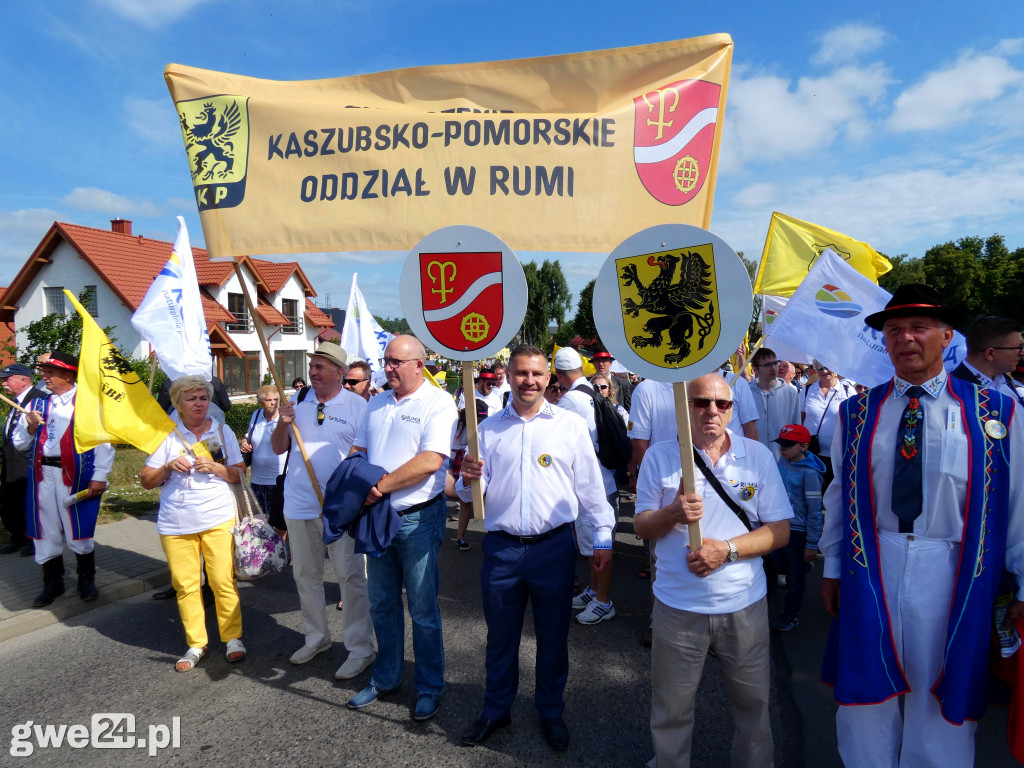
[(119, 267)]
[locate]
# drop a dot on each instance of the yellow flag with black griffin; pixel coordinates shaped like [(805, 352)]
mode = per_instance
[(793, 246), (670, 304), (112, 405)]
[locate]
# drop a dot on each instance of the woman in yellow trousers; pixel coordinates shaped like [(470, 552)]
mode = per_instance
[(197, 512)]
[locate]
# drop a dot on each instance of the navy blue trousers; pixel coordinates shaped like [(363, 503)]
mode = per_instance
[(512, 574)]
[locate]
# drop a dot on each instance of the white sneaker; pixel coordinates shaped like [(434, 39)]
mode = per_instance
[(308, 652), (353, 666), (582, 600), (595, 612)]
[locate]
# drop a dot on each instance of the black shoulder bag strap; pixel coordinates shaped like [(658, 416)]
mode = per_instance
[(714, 482)]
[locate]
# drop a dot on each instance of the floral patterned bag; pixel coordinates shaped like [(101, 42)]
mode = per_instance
[(259, 549)]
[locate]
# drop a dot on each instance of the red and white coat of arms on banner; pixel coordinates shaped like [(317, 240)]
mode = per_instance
[(462, 297), (674, 137)]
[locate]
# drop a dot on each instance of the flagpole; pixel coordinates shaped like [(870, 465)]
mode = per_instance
[(152, 368), (14, 405), (472, 438), (277, 379), (686, 456)]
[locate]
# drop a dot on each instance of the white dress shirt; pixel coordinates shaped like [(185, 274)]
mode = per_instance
[(537, 473)]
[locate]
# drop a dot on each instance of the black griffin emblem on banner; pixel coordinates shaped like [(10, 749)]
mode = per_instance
[(677, 302)]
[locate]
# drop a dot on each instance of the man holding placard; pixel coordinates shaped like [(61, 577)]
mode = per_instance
[(537, 469), (713, 598)]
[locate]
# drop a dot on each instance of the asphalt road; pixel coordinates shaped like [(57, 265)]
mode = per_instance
[(119, 659)]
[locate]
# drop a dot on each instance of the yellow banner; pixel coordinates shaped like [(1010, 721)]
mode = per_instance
[(792, 247), (112, 404), (569, 153)]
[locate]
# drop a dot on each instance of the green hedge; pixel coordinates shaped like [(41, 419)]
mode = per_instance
[(238, 418)]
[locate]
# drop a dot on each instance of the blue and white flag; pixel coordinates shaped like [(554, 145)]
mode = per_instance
[(825, 318), (171, 317), (362, 335)]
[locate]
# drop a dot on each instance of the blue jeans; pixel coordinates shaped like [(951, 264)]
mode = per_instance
[(411, 560)]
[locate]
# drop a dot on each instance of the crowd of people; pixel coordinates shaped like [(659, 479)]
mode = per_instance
[(895, 488)]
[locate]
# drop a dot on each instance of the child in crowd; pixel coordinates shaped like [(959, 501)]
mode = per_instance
[(801, 472)]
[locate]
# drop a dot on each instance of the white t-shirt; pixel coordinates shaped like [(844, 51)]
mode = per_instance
[(582, 405), (748, 472), (192, 502), (266, 465), (326, 444), (394, 431)]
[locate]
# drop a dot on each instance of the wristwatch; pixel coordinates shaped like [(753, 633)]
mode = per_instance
[(734, 554)]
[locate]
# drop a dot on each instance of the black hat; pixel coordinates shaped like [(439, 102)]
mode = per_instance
[(913, 300), (60, 360)]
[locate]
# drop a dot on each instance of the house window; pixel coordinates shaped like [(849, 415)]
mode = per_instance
[(236, 306), (89, 302), (242, 374), (54, 298), (290, 309), (291, 364)]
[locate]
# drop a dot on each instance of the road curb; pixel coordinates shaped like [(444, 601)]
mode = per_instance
[(33, 619)]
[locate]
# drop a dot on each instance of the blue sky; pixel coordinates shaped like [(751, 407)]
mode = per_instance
[(901, 124)]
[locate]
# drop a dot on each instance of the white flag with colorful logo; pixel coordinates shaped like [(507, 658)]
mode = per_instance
[(825, 318), (171, 317), (362, 335)]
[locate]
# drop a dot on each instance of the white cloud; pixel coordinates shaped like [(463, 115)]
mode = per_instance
[(154, 120), (109, 203), (768, 118), (953, 95), (846, 44), (20, 233), (152, 13), (757, 195)]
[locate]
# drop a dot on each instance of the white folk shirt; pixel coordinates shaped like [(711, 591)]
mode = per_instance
[(538, 473), (326, 444), (652, 413), (192, 502), (58, 419), (749, 474), (822, 409), (944, 470), (266, 465), (582, 405), (395, 431)]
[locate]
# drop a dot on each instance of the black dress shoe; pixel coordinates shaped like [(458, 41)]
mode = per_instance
[(556, 733), (483, 728), (164, 594)]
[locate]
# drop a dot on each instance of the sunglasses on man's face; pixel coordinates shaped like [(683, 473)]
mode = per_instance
[(556, 388), (705, 402), (353, 382)]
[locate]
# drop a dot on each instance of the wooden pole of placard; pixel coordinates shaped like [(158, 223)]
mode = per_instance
[(13, 405), (686, 455), (277, 378), (472, 438), (153, 365)]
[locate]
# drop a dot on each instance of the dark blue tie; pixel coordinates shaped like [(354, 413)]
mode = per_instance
[(907, 487)]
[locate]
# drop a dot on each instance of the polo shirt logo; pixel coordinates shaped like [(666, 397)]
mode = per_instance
[(544, 460), (410, 419)]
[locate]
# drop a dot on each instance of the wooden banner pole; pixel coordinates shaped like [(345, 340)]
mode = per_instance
[(277, 379), (14, 405), (153, 365), (686, 455), (472, 438)]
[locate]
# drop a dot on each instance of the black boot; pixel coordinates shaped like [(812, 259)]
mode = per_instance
[(53, 582), (87, 576)]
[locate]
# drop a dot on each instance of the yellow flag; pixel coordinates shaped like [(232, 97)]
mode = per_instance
[(112, 405), (792, 247), (588, 367), (622, 139)]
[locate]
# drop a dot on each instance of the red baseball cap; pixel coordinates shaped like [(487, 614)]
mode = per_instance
[(793, 433)]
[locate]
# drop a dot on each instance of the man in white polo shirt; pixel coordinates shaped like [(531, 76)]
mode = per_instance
[(327, 420), (408, 431), (713, 598), (537, 471)]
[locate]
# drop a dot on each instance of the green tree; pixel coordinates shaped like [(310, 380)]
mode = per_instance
[(549, 300), (957, 272), (394, 324), (583, 320), (904, 270)]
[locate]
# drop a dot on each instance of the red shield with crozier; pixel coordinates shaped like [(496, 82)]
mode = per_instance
[(673, 139), (462, 297)]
